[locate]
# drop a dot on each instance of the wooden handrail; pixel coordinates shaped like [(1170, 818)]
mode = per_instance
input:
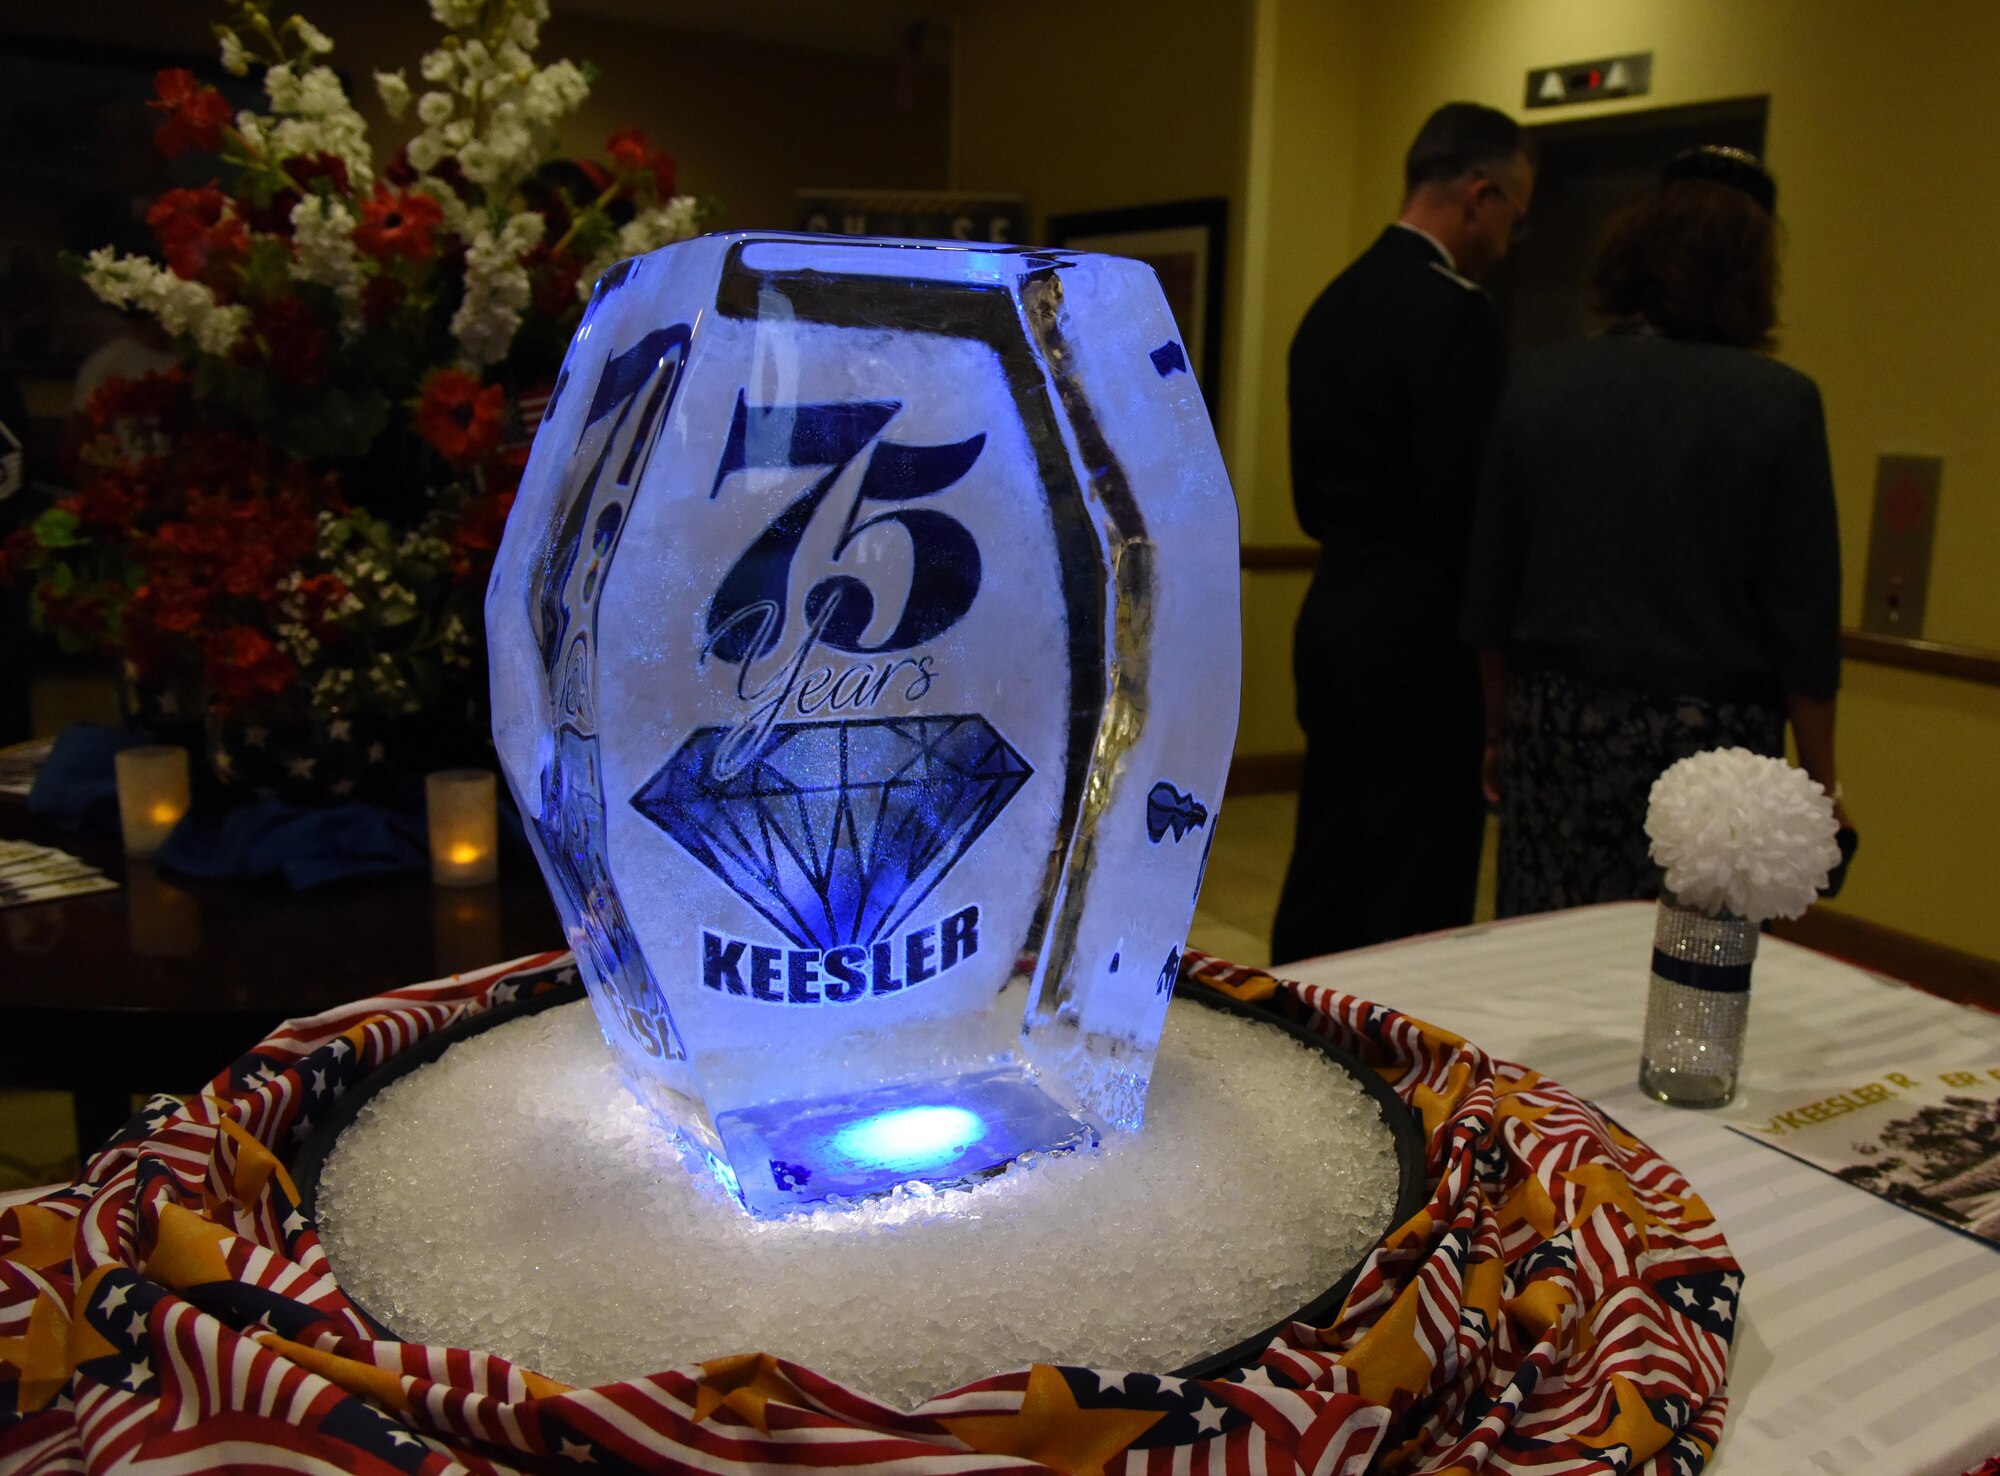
[(1937, 658), (1967, 663), (1266, 556)]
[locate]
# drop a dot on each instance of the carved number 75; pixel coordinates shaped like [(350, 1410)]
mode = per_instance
[(747, 614)]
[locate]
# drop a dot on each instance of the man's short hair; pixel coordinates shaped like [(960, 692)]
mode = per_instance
[(1459, 138)]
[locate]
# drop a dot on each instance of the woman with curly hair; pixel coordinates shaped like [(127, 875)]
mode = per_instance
[(1655, 566)]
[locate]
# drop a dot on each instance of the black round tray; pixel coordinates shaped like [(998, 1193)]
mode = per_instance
[(1404, 1126)]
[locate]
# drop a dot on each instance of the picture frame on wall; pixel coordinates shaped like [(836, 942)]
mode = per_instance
[(1185, 243)]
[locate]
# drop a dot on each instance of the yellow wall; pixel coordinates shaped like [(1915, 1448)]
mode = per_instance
[(1299, 219), (1109, 104), (1877, 117), (1142, 102)]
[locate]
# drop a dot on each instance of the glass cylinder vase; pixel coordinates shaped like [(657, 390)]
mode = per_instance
[(1697, 1007)]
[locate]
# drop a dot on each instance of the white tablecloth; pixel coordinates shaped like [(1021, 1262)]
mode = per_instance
[(1869, 1340)]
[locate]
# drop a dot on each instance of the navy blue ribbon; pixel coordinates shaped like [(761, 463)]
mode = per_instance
[(1717, 978)]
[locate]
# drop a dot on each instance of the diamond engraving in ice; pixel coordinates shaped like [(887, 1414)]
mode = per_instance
[(836, 831), (864, 649)]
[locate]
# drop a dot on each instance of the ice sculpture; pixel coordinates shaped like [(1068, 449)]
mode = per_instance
[(865, 664)]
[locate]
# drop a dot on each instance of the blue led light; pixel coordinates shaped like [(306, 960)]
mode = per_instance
[(910, 1139)]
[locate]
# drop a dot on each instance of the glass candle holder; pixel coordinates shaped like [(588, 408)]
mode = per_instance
[(1697, 1006), (464, 827), (152, 796)]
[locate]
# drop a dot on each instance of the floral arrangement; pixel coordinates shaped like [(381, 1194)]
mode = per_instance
[(297, 520), (1742, 833)]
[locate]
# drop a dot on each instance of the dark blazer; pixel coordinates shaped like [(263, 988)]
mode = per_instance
[(1659, 515), (1394, 375)]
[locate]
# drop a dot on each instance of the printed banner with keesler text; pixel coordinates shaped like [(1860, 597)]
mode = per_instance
[(1925, 1138)]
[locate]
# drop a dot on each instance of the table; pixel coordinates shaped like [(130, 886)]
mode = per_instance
[(157, 986), (1869, 1337)]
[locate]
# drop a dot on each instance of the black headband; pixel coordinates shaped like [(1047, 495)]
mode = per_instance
[(1721, 165)]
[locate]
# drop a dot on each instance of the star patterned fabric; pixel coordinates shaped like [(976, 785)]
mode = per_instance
[(1563, 1302)]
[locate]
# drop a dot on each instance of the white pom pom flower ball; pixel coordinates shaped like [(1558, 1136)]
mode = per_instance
[(1742, 834)]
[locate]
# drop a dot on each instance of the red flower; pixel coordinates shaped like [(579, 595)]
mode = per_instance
[(633, 155), (154, 395), (169, 605), (380, 298), (196, 115), (459, 417), (399, 225), (196, 230), (295, 343), (244, 666), (553, 276), (305, 168)]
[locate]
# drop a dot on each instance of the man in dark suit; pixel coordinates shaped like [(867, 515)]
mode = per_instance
[(1395, 374)]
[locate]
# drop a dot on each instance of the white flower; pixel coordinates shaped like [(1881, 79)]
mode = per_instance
[(677, 219), (184, 309), (437, 66), (554, 92), (497, 289), (394, 90), (433, 108), (281, 86), (323, 252), (310, 36), (424, 152), (314, 116), (457, 15), (1741, 832), (235, 60), (320, 93)]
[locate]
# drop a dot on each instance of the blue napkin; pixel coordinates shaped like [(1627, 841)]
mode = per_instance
[(218, 840), (78, 780), (307, 847)]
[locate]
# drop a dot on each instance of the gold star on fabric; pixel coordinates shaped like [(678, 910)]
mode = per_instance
[(85, 1341), (1632, 1427), (1443, 1042), (256, 1166), (1622, 1138), (43, 1237), (1694, 1210), (1050, 1428), (1539, 1307), (1603, 1185), (1528, 1201), (1437, 1107), (1254, 990), (41, 1354), (746, 1383), (371, 1381), (1388, 1357), (1413, 1231), (1520, 1111), (1485, 1281), (187, 1250)]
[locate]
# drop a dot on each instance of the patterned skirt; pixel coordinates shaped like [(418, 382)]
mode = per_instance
[(1580, 761)]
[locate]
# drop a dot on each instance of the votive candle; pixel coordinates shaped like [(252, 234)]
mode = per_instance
[(464, 826), (152, 796)]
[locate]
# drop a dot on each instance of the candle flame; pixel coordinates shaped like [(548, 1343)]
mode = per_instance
[(165, 812), (465, 853)]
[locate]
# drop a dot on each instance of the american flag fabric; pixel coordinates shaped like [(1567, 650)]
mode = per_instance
[(1563, 1303)]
